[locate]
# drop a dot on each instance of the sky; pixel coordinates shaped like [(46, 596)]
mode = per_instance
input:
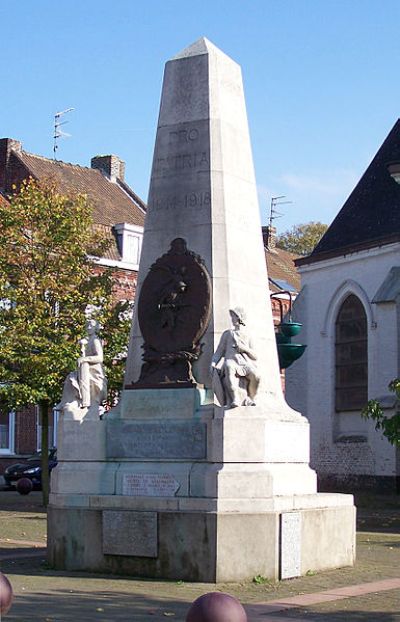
[(320, 77)]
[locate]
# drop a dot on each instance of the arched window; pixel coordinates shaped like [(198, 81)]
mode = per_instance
[(351, 356)]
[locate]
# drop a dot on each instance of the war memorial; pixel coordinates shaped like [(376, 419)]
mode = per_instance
[(201, 472)]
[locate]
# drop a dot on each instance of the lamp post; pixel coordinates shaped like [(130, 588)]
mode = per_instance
[(288, 352)]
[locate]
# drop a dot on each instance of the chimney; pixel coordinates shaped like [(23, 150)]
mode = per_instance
[(269, 237), (7, 145), (111, 165)]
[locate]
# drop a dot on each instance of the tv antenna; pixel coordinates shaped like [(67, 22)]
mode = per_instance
[(273, 213), (58, 133)]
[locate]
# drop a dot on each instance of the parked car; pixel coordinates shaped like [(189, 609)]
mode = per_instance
[(31, 468)]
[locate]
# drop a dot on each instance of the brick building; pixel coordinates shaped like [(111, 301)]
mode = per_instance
[(117, 210), (283, 280), (283, 276)]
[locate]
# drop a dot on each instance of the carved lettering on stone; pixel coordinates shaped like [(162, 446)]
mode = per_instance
[(149, 485), (130, 533), (186, 440), (290, 545), (172, 165)]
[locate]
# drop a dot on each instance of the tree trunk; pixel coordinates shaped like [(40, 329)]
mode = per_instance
[(44, 418)]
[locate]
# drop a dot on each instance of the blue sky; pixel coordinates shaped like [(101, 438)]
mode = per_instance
[(321, 84)]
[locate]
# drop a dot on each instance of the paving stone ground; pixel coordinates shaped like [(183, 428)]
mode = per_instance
[(369, 591)]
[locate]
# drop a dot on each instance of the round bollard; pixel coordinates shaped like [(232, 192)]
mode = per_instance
[(6, 595), (24, 486), (216, 607)]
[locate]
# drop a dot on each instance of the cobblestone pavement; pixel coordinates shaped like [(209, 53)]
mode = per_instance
[(369, 591)]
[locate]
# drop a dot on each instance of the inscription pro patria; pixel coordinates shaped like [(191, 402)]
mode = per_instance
[(181, 171)]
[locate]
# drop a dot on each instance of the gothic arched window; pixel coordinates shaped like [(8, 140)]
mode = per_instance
[(351, 356)]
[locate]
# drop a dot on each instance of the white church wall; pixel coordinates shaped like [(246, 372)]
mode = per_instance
[(343, 444)]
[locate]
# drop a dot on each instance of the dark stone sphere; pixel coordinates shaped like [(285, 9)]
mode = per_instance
[(216, 607), (6, 595), (24, 486)]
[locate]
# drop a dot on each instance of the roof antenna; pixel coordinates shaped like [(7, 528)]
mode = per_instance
[(57, 132), (273, 213)]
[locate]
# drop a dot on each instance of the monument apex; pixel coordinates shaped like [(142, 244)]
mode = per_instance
[(199, 47)]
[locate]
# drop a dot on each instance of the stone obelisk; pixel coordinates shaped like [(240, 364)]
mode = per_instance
[(178, 485), (203, 190)]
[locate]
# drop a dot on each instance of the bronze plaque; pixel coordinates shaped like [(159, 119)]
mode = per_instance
[(174, 310)]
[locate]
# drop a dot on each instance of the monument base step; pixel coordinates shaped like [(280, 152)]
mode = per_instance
[(115, 534), (177, 480)]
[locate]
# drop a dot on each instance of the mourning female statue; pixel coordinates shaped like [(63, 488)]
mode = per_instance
[(236, 380), (86, 388)]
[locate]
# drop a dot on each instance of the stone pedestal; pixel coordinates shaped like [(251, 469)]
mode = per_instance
[(193, 495), (172, 485)]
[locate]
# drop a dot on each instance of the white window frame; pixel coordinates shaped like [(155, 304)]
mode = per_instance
[(7, 451), (124, 232)]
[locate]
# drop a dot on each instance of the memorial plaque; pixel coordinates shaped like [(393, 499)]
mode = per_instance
[(290, 553), (149, 485), (130, 533), (177, 440)]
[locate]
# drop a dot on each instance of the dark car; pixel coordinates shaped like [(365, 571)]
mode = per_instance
[(31, 468)]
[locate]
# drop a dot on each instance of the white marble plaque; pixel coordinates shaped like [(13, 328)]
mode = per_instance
[(290, 552), (130, 533), (149, 485)]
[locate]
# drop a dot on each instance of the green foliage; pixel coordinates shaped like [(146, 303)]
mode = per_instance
[(46, 283), (115, 320), (260, 580), (390, 426), (301, 239)]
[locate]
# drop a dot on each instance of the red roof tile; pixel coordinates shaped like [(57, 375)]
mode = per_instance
[(280, 264), (112, 202)]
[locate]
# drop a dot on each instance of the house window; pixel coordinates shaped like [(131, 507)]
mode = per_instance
[(129, 239), (7, 424), (131, 249), (351, 356)]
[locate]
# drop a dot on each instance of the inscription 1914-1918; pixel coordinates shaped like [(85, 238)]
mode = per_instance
[(190, 200)]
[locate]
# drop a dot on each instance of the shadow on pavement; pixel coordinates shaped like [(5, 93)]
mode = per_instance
[(340, 615), (12, 501), (68, 606)]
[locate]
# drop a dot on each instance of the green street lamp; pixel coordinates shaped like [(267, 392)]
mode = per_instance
[(288, 352)]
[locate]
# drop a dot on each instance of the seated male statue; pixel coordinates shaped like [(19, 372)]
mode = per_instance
[(237, 376)]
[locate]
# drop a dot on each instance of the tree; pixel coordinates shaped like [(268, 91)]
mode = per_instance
[(47, 282), (390, 426), (301, 239)]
